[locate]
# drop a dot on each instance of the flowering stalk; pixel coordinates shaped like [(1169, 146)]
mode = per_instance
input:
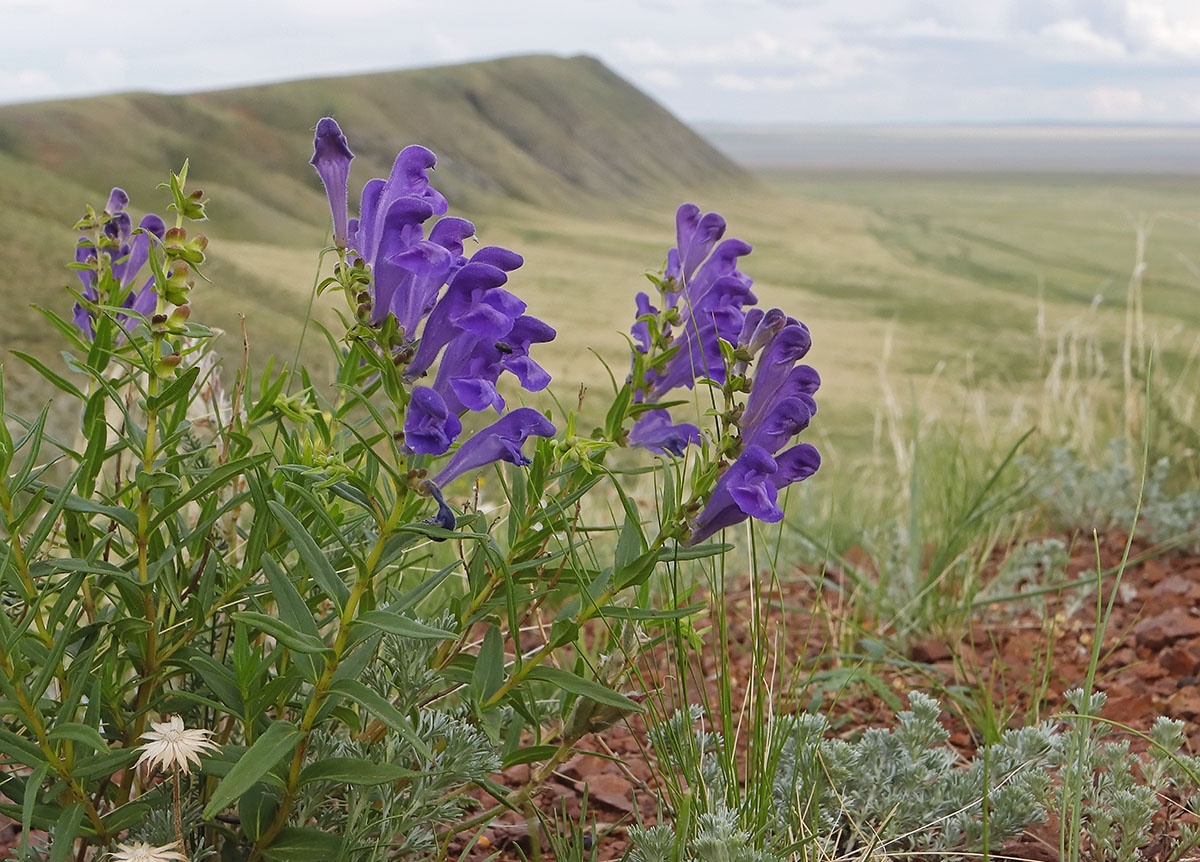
[(706, 331)]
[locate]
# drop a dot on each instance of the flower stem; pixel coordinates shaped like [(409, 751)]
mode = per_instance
[(178, 814)]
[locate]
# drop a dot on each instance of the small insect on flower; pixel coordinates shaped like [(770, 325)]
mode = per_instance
[(172, 746), (140, 851)]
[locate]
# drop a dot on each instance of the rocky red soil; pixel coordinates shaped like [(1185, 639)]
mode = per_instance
[(1024, 654)]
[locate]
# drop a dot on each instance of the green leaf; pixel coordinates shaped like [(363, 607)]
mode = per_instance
[(636, 572), (178, 388), (279, 740), (530, 754), (588, 688), (293, 640), (353, 770), (302, 844), (315, 561), (20, 749), (489, 667), (103, 765), (57, 380), (257, 809), (698, 552), (213, 479), (65, 830), (149, 481), (120, 819), (413, 597), (402, 626), (293, 611), (80, 733)]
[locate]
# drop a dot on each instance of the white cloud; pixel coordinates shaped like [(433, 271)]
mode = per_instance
[(753, 60), (1077, 37), (664, 79), (735, 83), (1165, 27)]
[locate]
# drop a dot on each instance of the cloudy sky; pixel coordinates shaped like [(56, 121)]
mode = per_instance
[(745, 61)]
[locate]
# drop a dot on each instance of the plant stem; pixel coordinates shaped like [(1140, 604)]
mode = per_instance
[(321, 688), (178, 814)]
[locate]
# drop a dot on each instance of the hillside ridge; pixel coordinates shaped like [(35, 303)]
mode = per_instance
[(535, 128)]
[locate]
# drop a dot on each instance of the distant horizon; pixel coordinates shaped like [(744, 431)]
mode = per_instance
[(1077, 148), (810, 62)]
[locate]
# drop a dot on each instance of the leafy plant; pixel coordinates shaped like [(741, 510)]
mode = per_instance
[(299, 572)]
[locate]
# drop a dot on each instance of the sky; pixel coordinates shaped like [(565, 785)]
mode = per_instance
[(725, 61)]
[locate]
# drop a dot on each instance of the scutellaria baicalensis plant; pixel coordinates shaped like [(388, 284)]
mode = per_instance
[(296, 571)]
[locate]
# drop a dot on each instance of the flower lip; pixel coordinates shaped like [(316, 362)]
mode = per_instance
[(500, 441), (745, 490)]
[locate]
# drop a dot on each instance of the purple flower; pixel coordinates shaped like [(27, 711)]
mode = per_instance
[(745, 490), (429, 426), (750, 488), (331, 158), (474, 304), (444, 304), (471, 366), (776, 374), (500, 441), (129, 251), (703, 283), (795, 465), (714, 316), (695, 235), (653, 430), (641, 329), (784, 420)]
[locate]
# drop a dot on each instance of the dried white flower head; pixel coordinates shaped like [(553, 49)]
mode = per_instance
[(140, 851), (171, 745)]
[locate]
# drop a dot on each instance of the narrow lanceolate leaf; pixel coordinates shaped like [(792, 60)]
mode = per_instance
[(57, 380), (402, 626), (589, 688), (20, 749), (65, 830), (293, 640), (80, 733), (489, 667), (697, 552), (314, 560), (354, 770), (292, 610), (302, 844), (277, 743)]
